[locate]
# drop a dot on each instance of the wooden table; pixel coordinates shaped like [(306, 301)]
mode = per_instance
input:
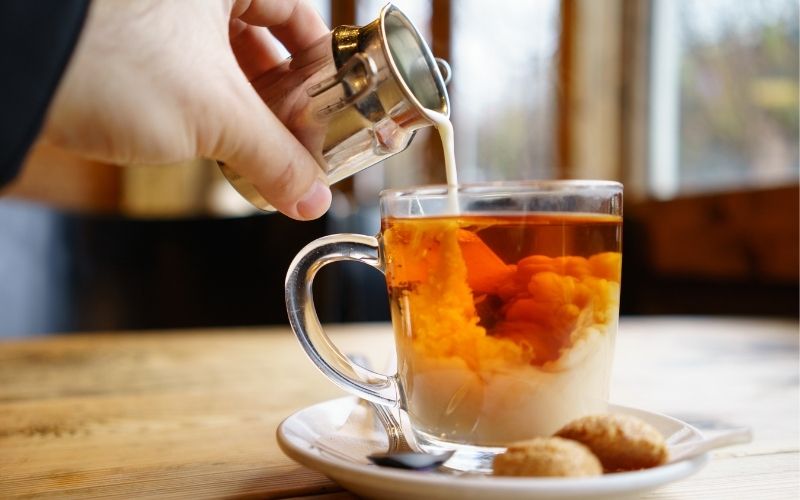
[(192, 414)]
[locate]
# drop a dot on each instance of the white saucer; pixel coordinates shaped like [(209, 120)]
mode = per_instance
[(335, 436)]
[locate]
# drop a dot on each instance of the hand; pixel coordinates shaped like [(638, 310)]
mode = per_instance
[(157, 81)]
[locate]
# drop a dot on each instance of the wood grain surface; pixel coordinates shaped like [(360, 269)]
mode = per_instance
[(192, 414)]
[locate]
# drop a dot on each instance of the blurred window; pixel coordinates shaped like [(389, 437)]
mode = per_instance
[(724, 90), (504, 88), (503, 93)]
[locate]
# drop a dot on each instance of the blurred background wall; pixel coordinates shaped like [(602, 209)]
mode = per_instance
[(692, 104)]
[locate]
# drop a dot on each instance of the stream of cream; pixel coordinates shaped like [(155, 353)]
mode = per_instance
[(444, 127)]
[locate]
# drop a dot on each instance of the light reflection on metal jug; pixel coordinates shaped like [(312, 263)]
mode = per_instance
[(354, 97)]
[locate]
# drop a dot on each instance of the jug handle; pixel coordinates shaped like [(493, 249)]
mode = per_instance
[(444, 69)]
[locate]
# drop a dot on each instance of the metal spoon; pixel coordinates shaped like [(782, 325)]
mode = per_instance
[(412, 460), (399, 453), (394, 431)]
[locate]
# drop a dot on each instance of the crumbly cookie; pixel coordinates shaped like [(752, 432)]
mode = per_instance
[(547, 457), (621, 442)]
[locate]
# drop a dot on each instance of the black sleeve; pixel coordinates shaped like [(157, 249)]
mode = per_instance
[(36, 40)]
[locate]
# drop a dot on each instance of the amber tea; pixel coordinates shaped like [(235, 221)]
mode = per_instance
[(504, 324)]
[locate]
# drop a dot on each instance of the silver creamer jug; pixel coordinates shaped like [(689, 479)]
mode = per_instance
[(354, 97)]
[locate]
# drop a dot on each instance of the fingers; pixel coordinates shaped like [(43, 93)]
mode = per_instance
[(255, 48), (294, 22), (255, 144)]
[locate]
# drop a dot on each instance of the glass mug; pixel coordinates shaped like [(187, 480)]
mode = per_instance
[(504, 300)]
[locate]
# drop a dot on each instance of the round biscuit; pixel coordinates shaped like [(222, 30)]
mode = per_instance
[(621, 442), (547, 457)]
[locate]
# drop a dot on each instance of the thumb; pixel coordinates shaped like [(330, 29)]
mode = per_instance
[(255, 144)]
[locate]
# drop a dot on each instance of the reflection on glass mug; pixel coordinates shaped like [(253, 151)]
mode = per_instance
[(355, 97), (504, 301)]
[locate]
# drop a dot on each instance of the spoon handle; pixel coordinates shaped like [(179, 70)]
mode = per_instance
[(394, 430), (695, 448)]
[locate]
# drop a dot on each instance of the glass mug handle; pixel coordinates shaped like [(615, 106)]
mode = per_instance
[(372, 386)]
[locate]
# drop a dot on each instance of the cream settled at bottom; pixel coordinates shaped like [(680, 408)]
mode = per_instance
[(496, 405)]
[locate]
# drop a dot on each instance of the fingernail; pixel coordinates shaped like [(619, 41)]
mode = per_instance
[(315, 202)]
